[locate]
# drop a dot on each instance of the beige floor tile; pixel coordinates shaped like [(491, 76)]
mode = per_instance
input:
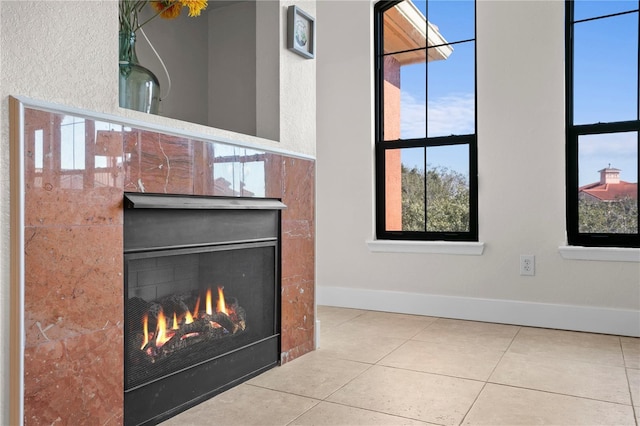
[(385, 325), (587, 347), (331, 316), (503, 405), (564, 376), (634, 385), (245, 405), (469, 334), (421, 396), (328, 414), (358, 347), (631, 351), (313, 375), (466, 362)]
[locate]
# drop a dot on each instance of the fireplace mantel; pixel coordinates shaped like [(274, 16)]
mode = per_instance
[(66, 257)]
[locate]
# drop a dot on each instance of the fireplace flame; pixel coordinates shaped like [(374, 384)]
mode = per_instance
[(152, 342), (222, 306), (209, 309), (175, 322), (197, 308), (188, 318), (162, 336), (145, 328)]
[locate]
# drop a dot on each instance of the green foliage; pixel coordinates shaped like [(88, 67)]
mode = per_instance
[(615, 217), (447, 200)]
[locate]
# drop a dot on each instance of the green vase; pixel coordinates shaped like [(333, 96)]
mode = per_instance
[(139, 87)]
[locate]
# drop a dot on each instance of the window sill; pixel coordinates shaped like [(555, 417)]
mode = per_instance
[(611, 254), (435, 247)]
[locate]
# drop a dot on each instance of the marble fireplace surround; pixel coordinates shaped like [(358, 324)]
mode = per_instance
[(67, 250)]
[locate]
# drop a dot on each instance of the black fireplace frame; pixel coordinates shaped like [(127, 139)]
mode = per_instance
[(148, 228)]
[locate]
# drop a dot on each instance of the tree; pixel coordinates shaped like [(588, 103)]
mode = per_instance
[(447, 200), (609, 217)]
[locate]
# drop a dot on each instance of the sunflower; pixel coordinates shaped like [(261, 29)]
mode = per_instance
[(167, 9), (195, 6)]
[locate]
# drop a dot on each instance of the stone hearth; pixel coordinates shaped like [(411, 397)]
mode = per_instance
[(73, 238)]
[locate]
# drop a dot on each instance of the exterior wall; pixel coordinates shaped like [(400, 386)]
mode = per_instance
[(393, 163), (520, 85), (66, 52)]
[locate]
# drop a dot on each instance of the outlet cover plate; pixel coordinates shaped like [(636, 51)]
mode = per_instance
[(527, 264)]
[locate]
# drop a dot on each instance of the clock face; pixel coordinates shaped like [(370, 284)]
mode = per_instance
[(301, 32)]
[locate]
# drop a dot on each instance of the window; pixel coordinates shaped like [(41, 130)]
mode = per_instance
[(603, 122), (425, 140)]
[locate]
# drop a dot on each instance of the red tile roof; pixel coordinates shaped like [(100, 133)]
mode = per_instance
[(611, 191)]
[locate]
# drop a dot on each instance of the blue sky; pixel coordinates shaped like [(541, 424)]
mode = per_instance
[(603, 47)]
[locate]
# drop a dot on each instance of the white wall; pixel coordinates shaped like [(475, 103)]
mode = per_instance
[(232, 65), (182, 44), (520, 83), (66, 52)]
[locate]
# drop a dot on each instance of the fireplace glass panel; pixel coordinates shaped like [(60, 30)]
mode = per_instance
[(184, 307)]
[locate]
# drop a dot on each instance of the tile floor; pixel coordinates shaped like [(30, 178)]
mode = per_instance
[(375, 368)]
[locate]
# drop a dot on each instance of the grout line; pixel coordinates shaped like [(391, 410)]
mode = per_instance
[(560, 394), (626, 373), (491, 374), (383, 413)]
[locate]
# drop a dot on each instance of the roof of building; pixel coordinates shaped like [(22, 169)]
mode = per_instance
[(406, 28), (611, 191)]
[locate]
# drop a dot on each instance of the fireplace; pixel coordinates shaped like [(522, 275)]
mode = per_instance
[(202, 298), (67, 319)]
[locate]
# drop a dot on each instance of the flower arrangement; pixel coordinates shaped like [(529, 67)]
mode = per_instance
[(167, 9), (139, 87)]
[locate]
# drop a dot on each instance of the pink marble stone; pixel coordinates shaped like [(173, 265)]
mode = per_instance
[(298, 258), (203, 157), (90, 193), (273, 175), (60, 207), (158, 163), (298, 255), (76, 381), (298, 321), (74, 298), (73, 281), (299, 189)]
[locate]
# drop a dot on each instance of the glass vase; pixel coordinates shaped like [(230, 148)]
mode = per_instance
[(139, 87)]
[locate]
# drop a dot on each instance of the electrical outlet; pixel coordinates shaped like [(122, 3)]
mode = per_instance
[(527, 264)]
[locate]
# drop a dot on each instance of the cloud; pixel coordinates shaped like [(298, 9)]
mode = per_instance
[(451, 114), (609, 144), (596, 152)]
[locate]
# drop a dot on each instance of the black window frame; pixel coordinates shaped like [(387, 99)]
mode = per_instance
[(573, 133), (381, 146)]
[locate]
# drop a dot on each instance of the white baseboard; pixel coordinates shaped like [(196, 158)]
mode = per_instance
[(622, 322)]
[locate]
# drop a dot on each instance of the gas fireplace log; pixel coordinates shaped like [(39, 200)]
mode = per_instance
[(242, 317), (201, 325), (224, 320), (176, 343)]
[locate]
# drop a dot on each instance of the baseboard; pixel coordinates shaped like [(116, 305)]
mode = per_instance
[(622, 322)]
